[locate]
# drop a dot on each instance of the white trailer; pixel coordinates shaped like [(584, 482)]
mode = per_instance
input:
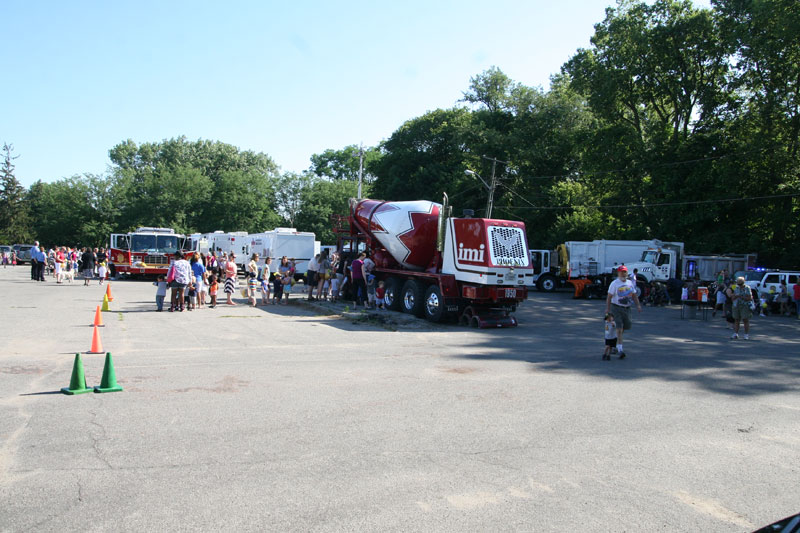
[(221, 242), (301, 246)]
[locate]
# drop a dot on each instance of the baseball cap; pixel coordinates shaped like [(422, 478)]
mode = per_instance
[(622, 268)]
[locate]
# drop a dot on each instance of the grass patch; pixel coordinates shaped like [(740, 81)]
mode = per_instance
[(375, 320)]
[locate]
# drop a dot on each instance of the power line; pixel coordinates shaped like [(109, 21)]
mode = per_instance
[(468, 189), (515, 193), (582, 175), (658, 204)]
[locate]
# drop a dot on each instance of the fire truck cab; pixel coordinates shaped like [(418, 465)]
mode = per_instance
[(145, 252)]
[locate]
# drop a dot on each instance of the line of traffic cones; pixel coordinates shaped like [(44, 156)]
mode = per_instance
[(108, 383), (77, 383)]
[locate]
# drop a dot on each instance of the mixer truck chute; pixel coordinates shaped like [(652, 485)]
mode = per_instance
[(435, 265)]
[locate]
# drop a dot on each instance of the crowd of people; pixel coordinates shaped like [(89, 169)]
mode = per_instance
[(65, 264), (739, 303), (194, 280)]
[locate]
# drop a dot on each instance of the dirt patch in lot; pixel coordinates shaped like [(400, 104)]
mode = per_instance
[(21, 370)]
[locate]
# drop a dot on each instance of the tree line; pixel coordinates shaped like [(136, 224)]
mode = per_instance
[(679, 123)]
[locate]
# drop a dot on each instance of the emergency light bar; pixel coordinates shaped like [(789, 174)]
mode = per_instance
[(155, 230)]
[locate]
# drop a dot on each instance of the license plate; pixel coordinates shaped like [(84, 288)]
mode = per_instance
[(511, 293)]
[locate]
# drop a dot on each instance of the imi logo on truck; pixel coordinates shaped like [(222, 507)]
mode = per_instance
[(471, 255)]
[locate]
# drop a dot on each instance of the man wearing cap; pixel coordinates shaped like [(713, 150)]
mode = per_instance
[(621, 294)]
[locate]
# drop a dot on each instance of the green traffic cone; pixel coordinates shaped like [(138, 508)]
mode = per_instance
[(77, 383), (109, 381)]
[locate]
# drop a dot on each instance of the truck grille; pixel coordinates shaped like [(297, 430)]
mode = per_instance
[(507, 246), (156, 260)]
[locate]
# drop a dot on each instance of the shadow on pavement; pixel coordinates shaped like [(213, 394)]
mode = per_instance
[(561, 335)]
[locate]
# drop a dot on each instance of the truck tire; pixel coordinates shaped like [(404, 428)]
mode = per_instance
[(434, 304), (639, 289), (392, 290), (412, 298), (546, 284)]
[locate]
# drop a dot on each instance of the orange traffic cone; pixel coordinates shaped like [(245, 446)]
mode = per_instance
[(108, 292), (97, 345), (98, 318)]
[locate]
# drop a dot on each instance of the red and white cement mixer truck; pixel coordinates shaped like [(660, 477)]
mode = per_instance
[(435, 265)]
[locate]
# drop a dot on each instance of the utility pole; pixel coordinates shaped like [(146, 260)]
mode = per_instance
[(493, 184), (360, 168)]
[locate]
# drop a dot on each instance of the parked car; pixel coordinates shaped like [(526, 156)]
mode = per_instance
[(23, 253)]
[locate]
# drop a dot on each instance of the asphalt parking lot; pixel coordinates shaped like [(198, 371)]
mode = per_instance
[(284, 418)]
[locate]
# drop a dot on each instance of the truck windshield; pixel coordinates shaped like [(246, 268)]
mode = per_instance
[(749, 275), (154, 243), (649, 256)]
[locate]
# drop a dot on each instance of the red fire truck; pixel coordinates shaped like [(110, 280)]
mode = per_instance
[(145, 252)]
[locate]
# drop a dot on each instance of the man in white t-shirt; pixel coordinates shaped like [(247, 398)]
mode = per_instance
[(621, 294), (311, 276)]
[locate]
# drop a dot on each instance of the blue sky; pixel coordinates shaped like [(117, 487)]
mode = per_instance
[(286, 78)]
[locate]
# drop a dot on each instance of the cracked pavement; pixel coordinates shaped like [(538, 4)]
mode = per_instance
[(281, 419)]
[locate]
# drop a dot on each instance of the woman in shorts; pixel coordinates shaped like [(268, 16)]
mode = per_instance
[(741, 297), (230, 278)]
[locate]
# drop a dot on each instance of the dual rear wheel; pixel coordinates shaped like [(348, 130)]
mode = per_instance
[(415, 298)]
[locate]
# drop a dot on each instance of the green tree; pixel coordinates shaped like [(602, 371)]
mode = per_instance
[(72, 211), (201, 185), (288, 194), (319, 199), (427, 156), (343, 164), (491, 88), (14, 219), (763, 119), (241, 201)]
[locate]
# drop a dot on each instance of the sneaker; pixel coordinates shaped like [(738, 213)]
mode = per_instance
[(606, 357), (622, 355), (746, 337), (734, 336)]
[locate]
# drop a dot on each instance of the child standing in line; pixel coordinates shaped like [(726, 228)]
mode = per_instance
[(371, 288), (611, 336), (380, 292), (265, 288), (161, 292), (335, 282), (252, 287), (213, 287), (101, 272), (277, 289), (720, 300), (192, 296)]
